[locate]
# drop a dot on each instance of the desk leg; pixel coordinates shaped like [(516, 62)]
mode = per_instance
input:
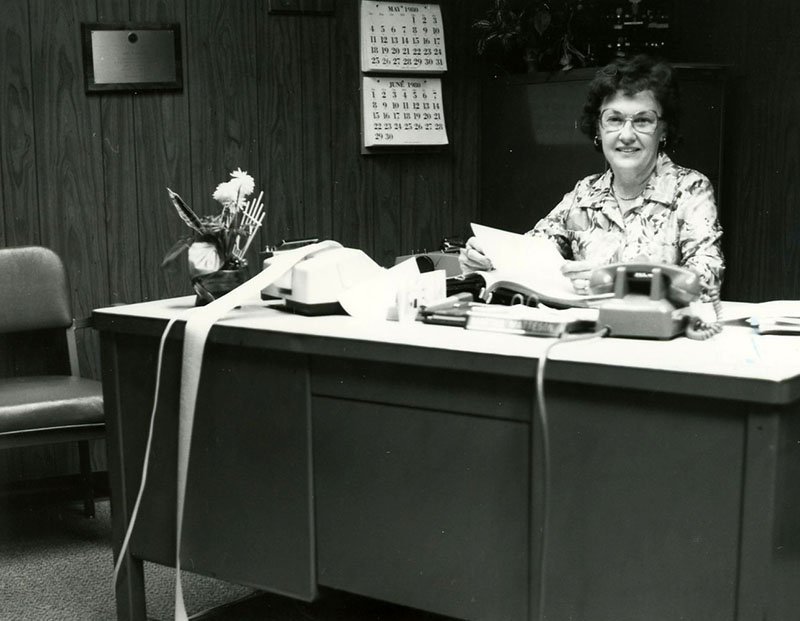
[(129, 589), (758, 517)]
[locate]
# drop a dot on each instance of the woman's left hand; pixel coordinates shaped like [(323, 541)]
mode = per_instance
[(578, 272)]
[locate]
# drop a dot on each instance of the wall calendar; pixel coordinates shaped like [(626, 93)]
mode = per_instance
[(403, 111), (402, 36)]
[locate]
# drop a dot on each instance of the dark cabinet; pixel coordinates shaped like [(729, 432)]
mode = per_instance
[(532, 151)]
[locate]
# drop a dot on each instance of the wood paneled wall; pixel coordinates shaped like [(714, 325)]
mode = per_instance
[(762, 211), (761, 188), (277, 95)]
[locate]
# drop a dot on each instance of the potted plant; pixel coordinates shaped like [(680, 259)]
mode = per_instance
[(216, 245), (518, 36)]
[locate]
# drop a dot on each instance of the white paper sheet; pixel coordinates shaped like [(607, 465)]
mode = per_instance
[(374, 298), (515, 252), (533, 262)]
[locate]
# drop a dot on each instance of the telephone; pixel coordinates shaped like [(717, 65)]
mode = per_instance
[(648, 301)]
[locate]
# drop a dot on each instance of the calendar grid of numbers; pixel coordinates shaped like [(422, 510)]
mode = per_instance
[(403, 110), (402, 48), (402, 37)]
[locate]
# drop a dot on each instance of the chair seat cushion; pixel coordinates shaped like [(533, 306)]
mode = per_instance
[(48, 401)]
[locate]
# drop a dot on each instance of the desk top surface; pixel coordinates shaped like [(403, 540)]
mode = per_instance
[(746, 364)]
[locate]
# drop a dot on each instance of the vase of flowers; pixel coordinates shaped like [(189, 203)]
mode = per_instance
[(216, 245)]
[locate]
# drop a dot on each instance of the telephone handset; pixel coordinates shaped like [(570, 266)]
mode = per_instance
[(678, 284), (647, 298)]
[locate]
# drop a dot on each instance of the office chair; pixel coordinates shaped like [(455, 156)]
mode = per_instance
[(58, 405)]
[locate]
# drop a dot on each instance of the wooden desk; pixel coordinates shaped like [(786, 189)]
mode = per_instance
[(403, 462)]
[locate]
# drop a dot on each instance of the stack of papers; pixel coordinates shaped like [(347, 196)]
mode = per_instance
[(776, 317)]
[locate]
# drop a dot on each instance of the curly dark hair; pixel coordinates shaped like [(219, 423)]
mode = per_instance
[(631, 76)]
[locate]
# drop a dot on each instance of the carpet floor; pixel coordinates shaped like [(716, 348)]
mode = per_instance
[(57, 565)]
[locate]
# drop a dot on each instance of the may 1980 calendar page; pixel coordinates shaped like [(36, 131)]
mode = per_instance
[(402, 36)]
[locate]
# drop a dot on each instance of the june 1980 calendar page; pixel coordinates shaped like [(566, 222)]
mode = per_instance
[(403, 110)]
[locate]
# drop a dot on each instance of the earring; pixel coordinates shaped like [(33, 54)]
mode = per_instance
[(597, 141)]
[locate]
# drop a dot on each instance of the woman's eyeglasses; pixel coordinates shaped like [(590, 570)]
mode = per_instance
[(642, 122)]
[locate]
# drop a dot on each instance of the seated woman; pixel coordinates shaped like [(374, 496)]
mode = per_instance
[(644, 208)]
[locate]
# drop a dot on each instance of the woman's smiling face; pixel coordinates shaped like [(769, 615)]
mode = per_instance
[(630, 152)]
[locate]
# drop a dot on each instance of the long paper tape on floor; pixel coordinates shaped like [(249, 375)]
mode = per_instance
[(198, 324)]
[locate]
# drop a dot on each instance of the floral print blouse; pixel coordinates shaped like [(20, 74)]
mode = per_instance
[(673, 221)]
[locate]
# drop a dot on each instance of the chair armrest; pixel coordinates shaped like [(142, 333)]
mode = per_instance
[(72, 345)]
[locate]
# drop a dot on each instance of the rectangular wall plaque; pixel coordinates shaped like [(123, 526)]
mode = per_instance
[(132, 57)]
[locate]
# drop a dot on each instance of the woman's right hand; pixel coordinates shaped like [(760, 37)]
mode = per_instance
[(472, 259)]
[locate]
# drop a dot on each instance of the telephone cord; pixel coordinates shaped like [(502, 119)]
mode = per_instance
[(700, 330), (542, 413)]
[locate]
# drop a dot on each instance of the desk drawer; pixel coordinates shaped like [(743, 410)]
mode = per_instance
[(489, 395)]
